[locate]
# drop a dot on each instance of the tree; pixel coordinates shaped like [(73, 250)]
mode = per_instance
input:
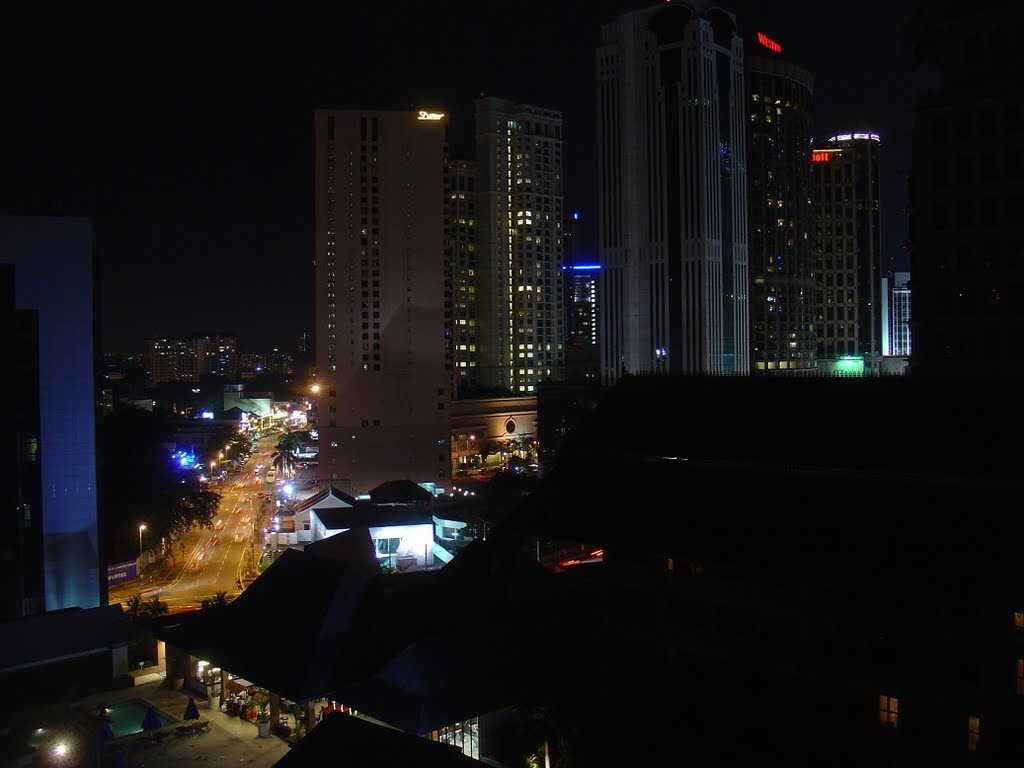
[(488, 448), (286, 453), (219, 600), (133, 607), (156, 607)]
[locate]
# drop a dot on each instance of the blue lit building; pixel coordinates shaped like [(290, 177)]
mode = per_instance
[(53, 277)]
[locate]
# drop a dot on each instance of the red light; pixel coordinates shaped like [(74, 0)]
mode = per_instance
[(768, 43), (821, 157)]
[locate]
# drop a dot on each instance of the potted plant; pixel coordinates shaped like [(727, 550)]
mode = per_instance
[(262, 701)]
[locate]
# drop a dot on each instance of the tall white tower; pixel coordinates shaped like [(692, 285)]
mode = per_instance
[(672, 209)]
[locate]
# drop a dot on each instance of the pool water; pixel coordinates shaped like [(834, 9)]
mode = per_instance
[(126, 717)]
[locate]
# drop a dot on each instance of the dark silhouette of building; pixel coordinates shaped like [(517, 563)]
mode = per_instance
[(967, 279), (847, 600), (21, 549)]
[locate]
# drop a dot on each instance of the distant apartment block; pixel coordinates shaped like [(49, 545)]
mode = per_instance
[(252, 364), (189, 359)]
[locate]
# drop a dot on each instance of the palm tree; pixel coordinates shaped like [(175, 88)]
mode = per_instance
[(286, 453), (134, 607), (219, 600), (156, 607)]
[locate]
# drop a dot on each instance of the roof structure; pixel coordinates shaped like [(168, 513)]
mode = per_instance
[(371, 516), (400, 492), (328, 497), (374, 643), (40, 639), (346, 741)]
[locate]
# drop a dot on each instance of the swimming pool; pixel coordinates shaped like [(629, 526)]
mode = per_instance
[(126, 717)]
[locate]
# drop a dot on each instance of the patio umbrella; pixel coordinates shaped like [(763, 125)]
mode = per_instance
[(151, 722), (191, 710)]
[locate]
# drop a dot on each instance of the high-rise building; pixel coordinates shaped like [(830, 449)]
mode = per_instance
[(848, 246), (580, 281), (171, 359), (462, 286), (899, 315), (276, 362), (519, 245), (191, 358), (780, 101), (967, 161), (672, 193), (218, 354), (53, 277), (384, 393)]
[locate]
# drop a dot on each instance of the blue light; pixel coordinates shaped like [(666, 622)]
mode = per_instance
[(206, 415), (582, 267), (183, 459), (576, 215)]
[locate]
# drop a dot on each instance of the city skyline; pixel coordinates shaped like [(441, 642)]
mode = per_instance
[(186, 137)]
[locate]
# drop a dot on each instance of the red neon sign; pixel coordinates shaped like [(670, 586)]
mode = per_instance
[(768, 43), (821, 157)]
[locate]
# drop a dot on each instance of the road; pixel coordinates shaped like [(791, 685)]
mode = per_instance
[(218, 560)]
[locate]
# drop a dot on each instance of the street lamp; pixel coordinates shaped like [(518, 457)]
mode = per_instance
[(142, 527)]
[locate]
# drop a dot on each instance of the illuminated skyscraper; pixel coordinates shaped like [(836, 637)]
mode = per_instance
[(519, 245), (581, 279), (383, 404), (460, 253), (899, 316), (780, 97), (672, 193), (848, 248)]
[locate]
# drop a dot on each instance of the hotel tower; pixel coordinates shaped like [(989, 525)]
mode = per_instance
[(779, 102), (383, 404), (848, 249)]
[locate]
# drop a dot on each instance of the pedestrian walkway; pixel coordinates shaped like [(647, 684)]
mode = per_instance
[(227, 738)]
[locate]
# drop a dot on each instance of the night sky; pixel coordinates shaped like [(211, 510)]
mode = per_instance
[(185, 130)]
